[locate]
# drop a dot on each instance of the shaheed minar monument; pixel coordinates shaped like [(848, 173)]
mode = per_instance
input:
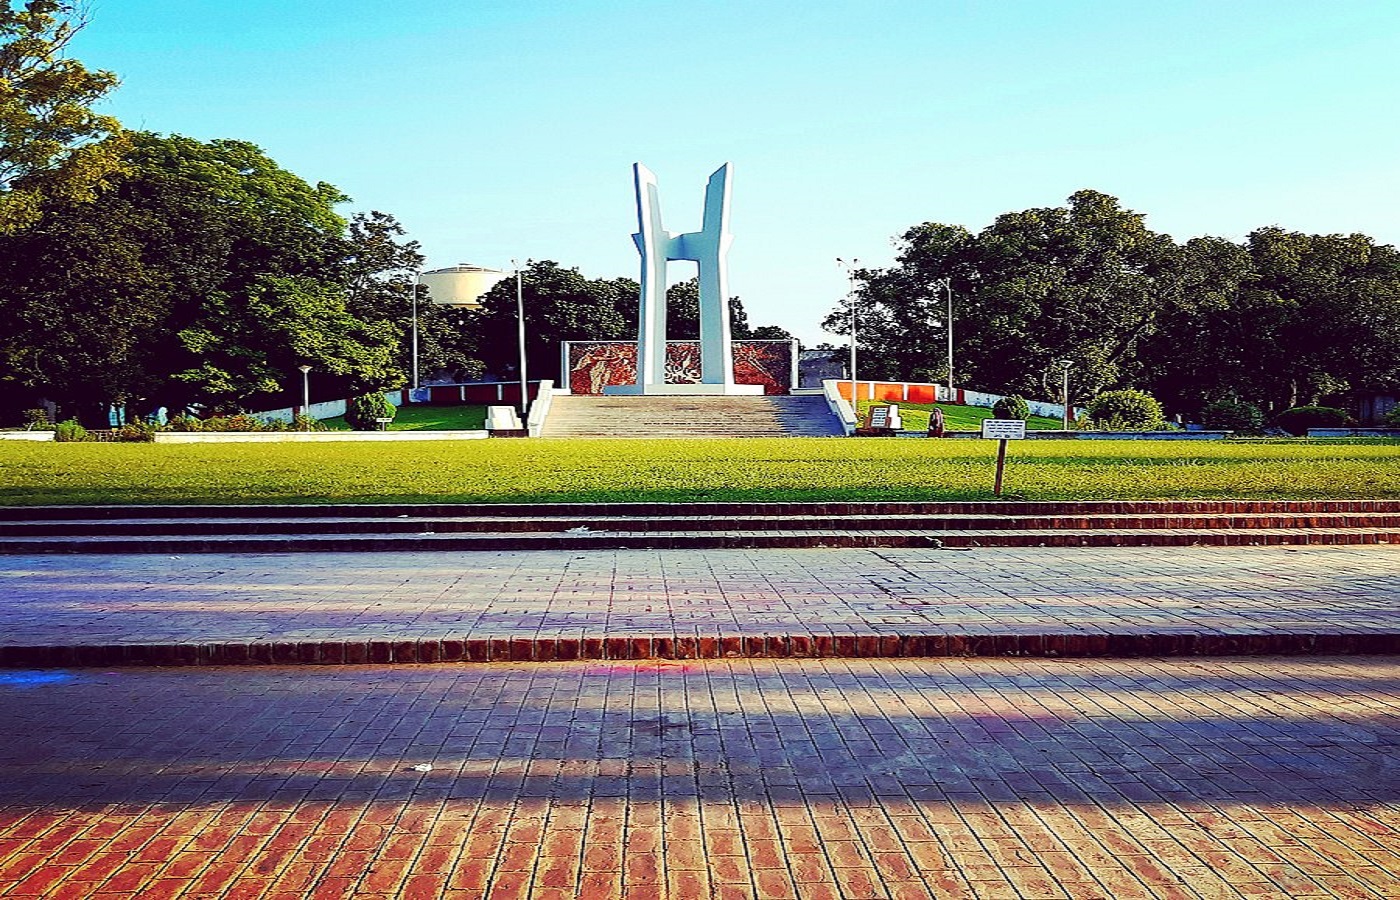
[(708, 248)]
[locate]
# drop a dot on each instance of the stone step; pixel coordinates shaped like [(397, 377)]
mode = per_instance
[(659, 416), (716, 508), (716, 539), (615, 645), (584, 523)]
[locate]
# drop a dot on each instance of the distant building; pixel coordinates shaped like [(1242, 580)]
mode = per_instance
[(461, 285)]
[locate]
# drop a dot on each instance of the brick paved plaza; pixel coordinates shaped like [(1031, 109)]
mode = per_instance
[(576, 595), (1262, 777), (1205, 777)]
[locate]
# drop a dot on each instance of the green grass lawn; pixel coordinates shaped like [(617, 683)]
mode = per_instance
[(955, 418), (760, 469), (428, 418)]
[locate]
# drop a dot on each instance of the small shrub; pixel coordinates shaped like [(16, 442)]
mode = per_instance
[(36, 419), (183, 422), (1236, 415), (136, 432), (1392, 418), (69, 432), (361, 411), (1012, 407), (1126, 410), (1299, 419), (235, 422), (303, 422)]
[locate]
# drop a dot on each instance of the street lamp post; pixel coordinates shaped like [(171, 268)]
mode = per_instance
[(850, 267), (1065, 365), (417, 279), (520, 321), (947, 285), (305, 392)]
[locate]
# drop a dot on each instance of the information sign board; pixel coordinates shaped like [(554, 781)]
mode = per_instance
[(1004, 429)]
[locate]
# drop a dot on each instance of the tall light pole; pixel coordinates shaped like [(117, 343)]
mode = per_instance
[(947, 285), (417, 279), (305, 390), (850, 267), (520, 321), (1065, 365)]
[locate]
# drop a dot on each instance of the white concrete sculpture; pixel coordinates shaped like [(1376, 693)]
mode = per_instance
[(708, 248)]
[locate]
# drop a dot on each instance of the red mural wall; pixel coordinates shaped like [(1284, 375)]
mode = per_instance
[(593, 365)]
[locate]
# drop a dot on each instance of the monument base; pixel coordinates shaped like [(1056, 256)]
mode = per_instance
[(683, 390)]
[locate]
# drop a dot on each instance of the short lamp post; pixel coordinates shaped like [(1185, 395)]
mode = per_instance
[(1065, 365), (305, 392), (850, 267)]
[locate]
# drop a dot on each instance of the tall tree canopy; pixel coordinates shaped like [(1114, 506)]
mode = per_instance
[(52, 144), (204, 275), (561, 304), (1281, 319)]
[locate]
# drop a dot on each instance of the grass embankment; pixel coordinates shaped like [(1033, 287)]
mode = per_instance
[(764, 469), (914, 416), (427, 418)]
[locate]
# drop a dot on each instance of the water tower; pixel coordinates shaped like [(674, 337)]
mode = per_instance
[(461, 285)]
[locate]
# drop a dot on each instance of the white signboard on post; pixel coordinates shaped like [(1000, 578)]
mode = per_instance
[(1004, 429)]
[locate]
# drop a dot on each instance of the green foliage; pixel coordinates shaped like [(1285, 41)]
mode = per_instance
[(303, 422), (1082, 282), (203, 276), (560, 305), (53, 145), (683, 316), (425, 418), (136, 432), (640, 470), (1235, 415), (36, 419), (1125, 410), (1279, 320), (69, 431), (362, 411), (1012, 407), (1298, 420), (915, 416), (1392, 418), (239, 422)]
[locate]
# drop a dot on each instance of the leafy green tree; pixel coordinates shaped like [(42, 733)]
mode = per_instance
[(901, 327), (683, 315), (52, 145), (560, 305), (202, 276), (1212, 338)]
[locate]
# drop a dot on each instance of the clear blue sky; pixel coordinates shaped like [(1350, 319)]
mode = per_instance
[(508, 128)]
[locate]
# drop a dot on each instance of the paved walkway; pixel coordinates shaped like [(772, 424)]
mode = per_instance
[(421, 606), (1270, 777)]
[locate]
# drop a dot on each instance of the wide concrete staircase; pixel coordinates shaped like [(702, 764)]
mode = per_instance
[(727, 525), (690, 417)]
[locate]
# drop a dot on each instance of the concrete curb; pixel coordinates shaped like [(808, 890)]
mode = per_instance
[(677, 647)]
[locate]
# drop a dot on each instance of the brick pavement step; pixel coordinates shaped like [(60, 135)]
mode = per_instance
[(700, 525), (728, 509), (698, 540), (417, 525), (620, 646)]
